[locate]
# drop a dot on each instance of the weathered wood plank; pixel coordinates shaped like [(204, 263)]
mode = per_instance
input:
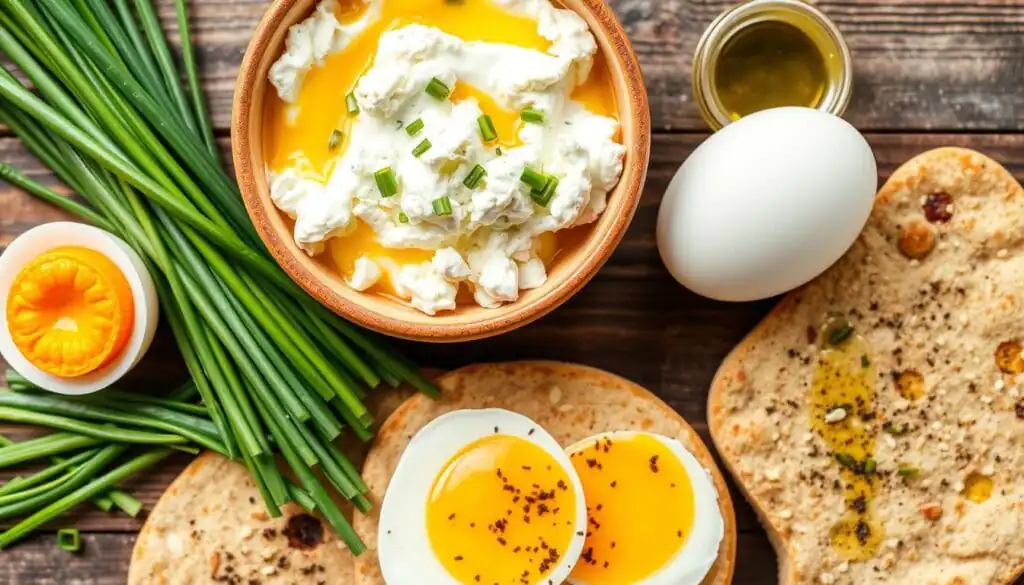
[(103, 560), (949, 64)]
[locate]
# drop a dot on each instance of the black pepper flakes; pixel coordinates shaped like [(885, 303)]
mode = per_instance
[(863, 532), (860, 505)]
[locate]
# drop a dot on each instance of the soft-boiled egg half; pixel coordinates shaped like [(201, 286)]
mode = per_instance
[(482, 496), (653, 515)]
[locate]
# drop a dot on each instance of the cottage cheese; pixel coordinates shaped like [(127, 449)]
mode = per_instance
[(310, 42), (490, 238), (365, 275)]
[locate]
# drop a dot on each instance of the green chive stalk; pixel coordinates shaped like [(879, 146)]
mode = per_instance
[(81, 493)]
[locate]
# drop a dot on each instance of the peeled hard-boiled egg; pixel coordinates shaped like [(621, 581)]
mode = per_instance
[(482, 496), (766, 204), (653, 515)]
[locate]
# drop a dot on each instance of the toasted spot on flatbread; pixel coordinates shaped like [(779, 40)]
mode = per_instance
[(917, 240)]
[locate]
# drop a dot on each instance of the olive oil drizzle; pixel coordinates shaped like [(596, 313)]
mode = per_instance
[(841, 409)]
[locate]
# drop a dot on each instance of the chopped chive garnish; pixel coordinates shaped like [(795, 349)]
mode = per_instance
[(450, 167), (909, 471), (335, 138), (869, 466), (839, 333), (415, 127), (437, 89), (894, 429), (421, 148), (128, 503), (487, 128), (387, 182), (536, 181), (69, 539), (846, 461), (865, 361), (543, 197), (474, 177), (442, 206), (532, 116), (497, 151), (402, 217), (351, 104)]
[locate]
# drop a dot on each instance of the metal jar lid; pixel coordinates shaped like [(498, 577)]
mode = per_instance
[(811, 21)]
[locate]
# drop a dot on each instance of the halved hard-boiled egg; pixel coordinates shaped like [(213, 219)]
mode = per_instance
[(653, 515), (482, 496)]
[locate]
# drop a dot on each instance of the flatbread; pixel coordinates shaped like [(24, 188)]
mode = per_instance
[(934, 285), (572, 402), (211, 526)]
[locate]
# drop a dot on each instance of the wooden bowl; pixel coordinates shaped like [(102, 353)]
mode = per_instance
[(565, 277)]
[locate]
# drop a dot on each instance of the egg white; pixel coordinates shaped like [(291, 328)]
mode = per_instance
[(404, 550), (694, 559)]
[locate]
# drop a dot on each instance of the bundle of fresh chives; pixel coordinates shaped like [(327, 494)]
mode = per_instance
[(277, 373)]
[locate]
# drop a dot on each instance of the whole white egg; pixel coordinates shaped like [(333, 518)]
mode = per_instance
[(766, 204), (482, 496)]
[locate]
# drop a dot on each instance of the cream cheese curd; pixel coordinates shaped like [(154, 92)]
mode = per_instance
[(455, 152)]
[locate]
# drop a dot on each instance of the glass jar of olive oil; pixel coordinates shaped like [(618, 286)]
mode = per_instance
[(770, 53)]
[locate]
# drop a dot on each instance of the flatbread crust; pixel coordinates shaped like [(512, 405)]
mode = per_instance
[(572, 402), (211, 526), (931, 296)]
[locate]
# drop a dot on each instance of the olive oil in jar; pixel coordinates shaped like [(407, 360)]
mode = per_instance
[(763, 54), (769, 64)]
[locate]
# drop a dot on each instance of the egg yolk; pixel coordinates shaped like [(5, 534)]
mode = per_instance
[(502, 510), (640, 509), (70, 311), (300, 134)]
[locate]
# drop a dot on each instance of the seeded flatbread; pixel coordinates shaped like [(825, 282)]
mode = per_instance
[(211, 526), (572, 402), (933, 290)]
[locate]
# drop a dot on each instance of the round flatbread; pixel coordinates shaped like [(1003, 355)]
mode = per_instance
[(572, 402)]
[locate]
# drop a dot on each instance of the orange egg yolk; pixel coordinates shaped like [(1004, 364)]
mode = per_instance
[(70, 311), (640, 509), (501, 511), (299, 134)]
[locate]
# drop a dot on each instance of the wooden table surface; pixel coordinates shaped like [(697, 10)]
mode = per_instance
[(928, 73)]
